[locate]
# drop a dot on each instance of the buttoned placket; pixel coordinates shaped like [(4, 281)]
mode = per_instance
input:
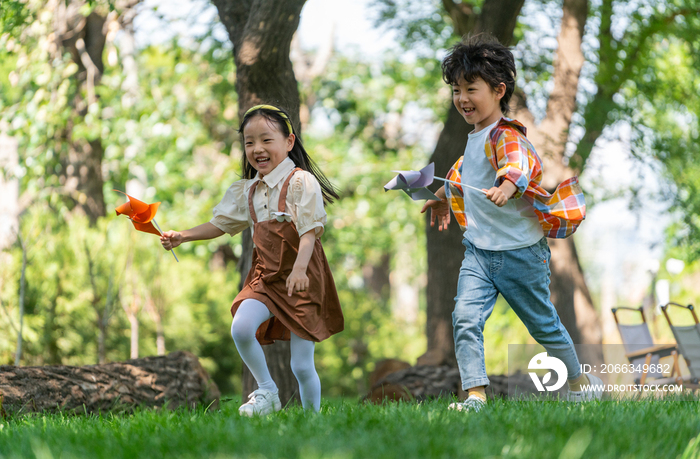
[(266, 200)]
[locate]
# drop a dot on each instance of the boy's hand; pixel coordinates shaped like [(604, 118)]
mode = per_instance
[(439, 209), (497, 196), (502, 194), (171, 239), (297, 281)]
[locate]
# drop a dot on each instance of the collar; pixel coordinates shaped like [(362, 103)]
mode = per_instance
[(278, 173), (512, 123)]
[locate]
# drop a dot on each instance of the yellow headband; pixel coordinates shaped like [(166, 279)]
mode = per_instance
[(274, 109)]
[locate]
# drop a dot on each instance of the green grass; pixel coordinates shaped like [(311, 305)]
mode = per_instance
[(347, 429)]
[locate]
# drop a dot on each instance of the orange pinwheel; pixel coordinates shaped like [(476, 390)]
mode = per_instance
[(141, 215)]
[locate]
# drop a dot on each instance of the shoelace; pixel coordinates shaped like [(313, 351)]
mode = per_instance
[(253, 397), (473, 404)]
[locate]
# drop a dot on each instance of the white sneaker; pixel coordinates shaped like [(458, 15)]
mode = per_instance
[(594, 391), (473, 403), (261, 402)]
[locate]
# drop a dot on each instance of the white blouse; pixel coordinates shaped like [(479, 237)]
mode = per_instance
[(304, 201)]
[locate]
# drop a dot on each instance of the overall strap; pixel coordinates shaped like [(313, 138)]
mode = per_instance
[(283, 194), (250, 201)]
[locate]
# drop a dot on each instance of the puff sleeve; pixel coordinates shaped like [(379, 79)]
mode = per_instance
[(308, 203), (231, 215)]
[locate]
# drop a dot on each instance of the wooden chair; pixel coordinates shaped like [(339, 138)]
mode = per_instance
[(640, 350), (688, 339)]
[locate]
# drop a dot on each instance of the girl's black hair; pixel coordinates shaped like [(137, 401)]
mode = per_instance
[(298, 154), (481, 56)]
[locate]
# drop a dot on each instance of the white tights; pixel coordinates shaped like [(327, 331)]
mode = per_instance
[(248, 318)]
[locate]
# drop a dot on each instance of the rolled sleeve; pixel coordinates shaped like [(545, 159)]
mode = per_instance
[(308, 204), (231, 214), (513, 162)]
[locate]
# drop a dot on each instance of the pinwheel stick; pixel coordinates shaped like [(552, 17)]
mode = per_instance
[(461, 184), (161, 232)]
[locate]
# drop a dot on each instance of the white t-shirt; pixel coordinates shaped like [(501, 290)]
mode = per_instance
[(489, 227)]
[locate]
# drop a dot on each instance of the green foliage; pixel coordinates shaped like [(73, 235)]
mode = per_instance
[(665, 111), (164, 138), (346, 429), (14, 15), (422, 24)]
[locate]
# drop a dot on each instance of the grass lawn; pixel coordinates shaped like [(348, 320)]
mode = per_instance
[(347, 429)]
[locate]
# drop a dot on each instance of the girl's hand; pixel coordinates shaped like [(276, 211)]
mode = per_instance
[(439, 210), (497, 196), (297, 281), (171, 239)]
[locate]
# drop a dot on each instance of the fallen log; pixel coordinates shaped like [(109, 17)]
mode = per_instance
[(423, 382), (171, 381)]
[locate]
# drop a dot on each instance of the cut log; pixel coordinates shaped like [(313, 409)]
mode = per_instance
[(384, 368), (427, 381), (171, 381)]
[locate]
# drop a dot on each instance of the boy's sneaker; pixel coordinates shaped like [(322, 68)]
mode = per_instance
[(473, 403), (261, 402), (593, 392)]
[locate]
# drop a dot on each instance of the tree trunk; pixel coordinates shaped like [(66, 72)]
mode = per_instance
[(172, 381), (261, 32), (157, 316), (131, 309), (102, 311), (570, 293), (569, 287), (22, 288), (156, 308), (134, 322), (444, 256), (160, 338), (498, 18), (84, 39), (50, 341), (101, 339)]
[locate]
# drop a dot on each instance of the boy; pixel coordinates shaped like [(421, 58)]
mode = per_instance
[(506, 245)]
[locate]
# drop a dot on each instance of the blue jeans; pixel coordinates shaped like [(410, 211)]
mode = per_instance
[(522, 277)]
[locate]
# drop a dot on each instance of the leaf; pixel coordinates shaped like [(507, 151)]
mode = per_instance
[(546, 378)]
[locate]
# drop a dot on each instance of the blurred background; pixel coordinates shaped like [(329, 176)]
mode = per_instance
[(146, 96)]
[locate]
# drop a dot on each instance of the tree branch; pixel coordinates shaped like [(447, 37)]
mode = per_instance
[(89, 66), (499, 18), (611, 76), (22, 286), (234, 15), (462, 15), (551, 135)]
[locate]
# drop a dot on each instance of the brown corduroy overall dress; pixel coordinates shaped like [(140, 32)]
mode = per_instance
[(313, 314)]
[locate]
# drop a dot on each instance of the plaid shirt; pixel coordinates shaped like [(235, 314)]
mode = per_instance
[(514, 158)]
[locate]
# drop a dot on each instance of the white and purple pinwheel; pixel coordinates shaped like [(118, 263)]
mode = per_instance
[(414, 183)]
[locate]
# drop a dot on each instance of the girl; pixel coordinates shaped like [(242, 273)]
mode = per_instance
[(289, 293)]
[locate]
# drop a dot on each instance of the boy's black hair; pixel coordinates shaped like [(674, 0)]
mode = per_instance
[(481, 56), (298, 154)]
